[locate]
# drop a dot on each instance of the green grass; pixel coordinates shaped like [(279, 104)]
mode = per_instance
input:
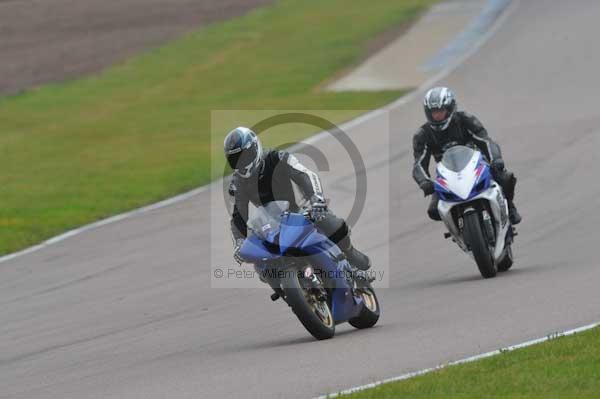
[(566, 367), (75, 152)]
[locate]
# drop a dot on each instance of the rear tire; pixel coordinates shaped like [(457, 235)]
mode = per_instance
[(476, 239), (370, 312), (298, 299), (507, 260)]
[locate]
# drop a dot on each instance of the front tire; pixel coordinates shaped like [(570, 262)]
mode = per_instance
[(314, 315), (474, 236)]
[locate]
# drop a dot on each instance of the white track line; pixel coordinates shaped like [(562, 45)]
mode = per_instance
[(462, 361), (311, 140)]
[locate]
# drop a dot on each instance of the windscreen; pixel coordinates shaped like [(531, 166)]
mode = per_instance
[(267, 218), (457, 157)]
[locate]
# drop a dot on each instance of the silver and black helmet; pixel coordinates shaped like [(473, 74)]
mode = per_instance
[(243, 151), (438, 100)]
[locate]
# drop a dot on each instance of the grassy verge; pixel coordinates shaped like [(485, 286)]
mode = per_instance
[(139, 132), (566, 367)]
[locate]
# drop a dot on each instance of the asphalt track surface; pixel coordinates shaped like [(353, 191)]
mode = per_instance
[(45, 41), (125, 311)]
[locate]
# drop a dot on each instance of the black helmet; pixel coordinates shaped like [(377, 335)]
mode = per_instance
[(243, 151), (436, 100)]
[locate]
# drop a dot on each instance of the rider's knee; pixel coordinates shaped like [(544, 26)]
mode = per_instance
[(334, 227)]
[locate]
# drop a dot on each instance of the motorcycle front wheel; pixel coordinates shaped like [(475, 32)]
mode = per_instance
[(313, 312), (475, 238)]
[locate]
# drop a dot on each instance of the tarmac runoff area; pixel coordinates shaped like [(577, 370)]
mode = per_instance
[(437, 39)]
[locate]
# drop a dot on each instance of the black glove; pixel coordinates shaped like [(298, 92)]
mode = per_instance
[(318, 208), (236, 250), (427, 187), (497, 166)]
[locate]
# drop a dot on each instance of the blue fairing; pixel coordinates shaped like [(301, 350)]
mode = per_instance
[(254, 251), (294, 230), (299, 234), (328, 256)]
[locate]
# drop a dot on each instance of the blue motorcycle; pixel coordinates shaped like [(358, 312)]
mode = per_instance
[(308, 271)]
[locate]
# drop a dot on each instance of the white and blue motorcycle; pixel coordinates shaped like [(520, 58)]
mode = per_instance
[(474, 209)]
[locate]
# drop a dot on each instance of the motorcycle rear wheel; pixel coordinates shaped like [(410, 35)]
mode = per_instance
[(369, 315)]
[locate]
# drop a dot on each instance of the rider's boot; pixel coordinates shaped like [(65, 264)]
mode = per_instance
[(353, 255), (513, 214), (357, 258)]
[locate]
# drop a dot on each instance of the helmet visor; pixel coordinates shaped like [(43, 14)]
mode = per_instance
[(439, 115), (241, 160)]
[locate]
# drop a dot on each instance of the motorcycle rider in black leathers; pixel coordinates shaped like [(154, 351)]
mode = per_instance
[(446, 127), (264, 176)]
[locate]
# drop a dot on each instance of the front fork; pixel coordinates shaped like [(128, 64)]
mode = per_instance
[(488, 225), (315, 284)]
